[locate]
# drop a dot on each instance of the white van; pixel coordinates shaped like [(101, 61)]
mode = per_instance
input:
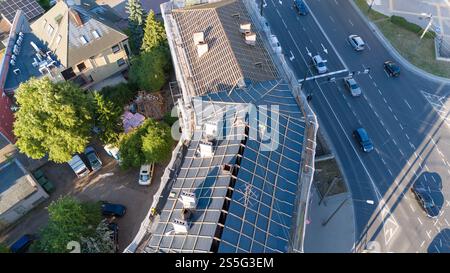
[(78, 166), (112, 151)]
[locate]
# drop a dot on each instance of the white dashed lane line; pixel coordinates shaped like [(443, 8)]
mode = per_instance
[(428, 233), (409, 106), (395, 117), (390, 172), (406, 135), (412, 208), (423, 242), (418, 219)]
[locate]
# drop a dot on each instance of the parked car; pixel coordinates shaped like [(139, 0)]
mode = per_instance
[(22, 244), (352, 86), (111, 209), (112, 151), (78, 166), (93, 158), (391, 68), (356, 42), (320, 65), (300, 6), (363, 139), (146, 174), (427, 198), (114, 227)]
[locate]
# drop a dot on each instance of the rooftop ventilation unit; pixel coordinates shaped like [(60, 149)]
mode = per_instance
[(199, 37), (188, 199), (180, 226), (250, 38), (211, 130), (12, 62), (16, 71), (245, 27), (206, 149)]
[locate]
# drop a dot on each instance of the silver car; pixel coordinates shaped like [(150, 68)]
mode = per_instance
[(320, 65), (352, 86), (356, 42)]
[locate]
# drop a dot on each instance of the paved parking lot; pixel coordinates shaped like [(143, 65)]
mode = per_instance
[(110, 183)]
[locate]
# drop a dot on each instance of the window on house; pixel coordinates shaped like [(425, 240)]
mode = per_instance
[(95, 34), (115, 48), (120, 61), (58, 39), (83, 40), (50, 29), (81, 66), (68, 74)]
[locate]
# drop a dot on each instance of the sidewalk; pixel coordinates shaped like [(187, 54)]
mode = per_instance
[(338, 235)]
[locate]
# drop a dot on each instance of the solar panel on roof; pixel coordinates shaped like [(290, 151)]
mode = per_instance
[(30, 7)]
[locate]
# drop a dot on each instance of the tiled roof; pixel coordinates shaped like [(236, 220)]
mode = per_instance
[(229, 59)]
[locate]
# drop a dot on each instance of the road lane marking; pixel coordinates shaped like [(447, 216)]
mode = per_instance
[(412, 145), (387, 131), (389, 170), (331, 18), (384, 162), (428, 233), (401, 126), (445, 219), (407, 136), (323, 75), (409, 106), (350, 21), (395, 117), (381, 121), (393, 140), (423, 242), (412, 208), (374, 84), (390, 109), (419, 221)]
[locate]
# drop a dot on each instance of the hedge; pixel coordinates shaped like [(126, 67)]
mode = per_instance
[(402, 22)]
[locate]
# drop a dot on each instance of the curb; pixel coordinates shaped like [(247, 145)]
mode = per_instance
[(394, 51)]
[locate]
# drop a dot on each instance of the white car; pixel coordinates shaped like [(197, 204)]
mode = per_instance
[(352, 86), (320, 65), (146, 174), (356, 42)]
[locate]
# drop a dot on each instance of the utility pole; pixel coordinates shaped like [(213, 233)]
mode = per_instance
[(430, 22), (335, 179), (370, 202)]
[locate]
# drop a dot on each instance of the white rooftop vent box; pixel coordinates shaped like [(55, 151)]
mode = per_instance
[(189, 200), (250, 38), (202, 48), (211, 129), (245, 27), (199, 37), (180, 226), (206, 149)]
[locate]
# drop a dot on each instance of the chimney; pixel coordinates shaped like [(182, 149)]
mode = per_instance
[(250, 38), (206, 149), (244, 27), (76, 17), (199, 42), (189, 200)]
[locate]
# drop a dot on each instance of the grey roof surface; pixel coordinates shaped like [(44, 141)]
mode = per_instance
[(31, 8), (229, 58), (261, 204), (24, 62)]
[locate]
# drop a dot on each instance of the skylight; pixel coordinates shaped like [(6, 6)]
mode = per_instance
[(83, 40)]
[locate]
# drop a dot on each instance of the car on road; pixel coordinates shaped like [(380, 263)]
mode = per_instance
[(320, 65), (363, 139), (114, 227), (111, 209), (427, 198), (146, 174), (300, 6), (22, 244), (356, 42), (352, 86), (93, 158), (391, 68), (78, 166)]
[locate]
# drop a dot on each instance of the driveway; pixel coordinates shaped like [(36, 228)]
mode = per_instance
[(110, 183)]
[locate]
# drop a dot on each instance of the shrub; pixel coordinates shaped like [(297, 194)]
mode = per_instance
[(402, 22)]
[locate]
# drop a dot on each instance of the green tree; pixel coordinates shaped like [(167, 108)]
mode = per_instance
[(4, 248), (45, 4), (69, 220), (154, 34), (150, 143), (108, 119), (136, 16), (156, 142), (149, 70), (53, 118)]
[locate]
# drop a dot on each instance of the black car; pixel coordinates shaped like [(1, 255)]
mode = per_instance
[(363, 139), (110, 209), (300, 6), (427, 198), (115, 234), (392, 68)]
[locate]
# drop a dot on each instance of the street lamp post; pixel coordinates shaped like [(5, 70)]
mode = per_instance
[(430, 22), (370, 202), (370, 6)]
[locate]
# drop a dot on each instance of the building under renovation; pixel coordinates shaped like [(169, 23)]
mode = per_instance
[(234, 182)]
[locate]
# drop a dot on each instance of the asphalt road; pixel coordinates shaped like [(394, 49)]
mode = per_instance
[(410, 137)]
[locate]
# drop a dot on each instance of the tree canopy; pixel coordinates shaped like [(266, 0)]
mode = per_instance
[(136, 16), (149, 70), (154, 34), (53, 118), (150, 143), (69, 220), (108, 119)]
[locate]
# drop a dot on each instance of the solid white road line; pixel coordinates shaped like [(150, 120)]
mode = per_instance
[(409, 106), (395, 117)]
